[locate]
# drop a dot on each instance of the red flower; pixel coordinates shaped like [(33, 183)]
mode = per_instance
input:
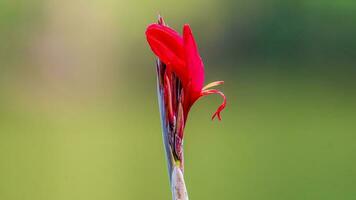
[(181, 56)]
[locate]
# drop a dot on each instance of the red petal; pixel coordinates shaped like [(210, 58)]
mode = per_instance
[(166, 43), (194, 63), (168, 97), (221, 107)]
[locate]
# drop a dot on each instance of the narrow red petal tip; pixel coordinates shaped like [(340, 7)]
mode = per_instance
[(221, 107), (214, 115), (217, 113)]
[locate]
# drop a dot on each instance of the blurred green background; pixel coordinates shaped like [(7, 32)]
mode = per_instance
[(79, 116)]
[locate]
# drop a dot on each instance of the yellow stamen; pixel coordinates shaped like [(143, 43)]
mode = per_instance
[(213, 84)]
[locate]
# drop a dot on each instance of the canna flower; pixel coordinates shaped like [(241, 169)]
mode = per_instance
[(181, 56), (180, 79)]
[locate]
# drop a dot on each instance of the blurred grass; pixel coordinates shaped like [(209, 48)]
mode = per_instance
[(282, 137)]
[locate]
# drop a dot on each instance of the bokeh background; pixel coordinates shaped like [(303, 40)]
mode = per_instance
[(79, 116)]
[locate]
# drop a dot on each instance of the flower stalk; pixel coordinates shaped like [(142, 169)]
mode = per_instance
[(169, 96), (180, 78)]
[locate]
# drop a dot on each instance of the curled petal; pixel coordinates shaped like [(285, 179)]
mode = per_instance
[(221, 107), (166, 43), (213, 84)]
